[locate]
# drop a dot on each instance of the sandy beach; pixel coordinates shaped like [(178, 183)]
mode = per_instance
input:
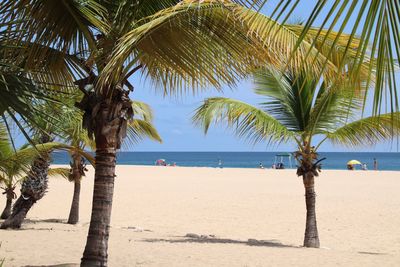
[(251, 217)]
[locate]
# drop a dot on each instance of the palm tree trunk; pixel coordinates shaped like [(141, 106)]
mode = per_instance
[(109, 128), (95, 253), (7, 210), (33, 188), (73, 217), (77, 170), (311, 238)]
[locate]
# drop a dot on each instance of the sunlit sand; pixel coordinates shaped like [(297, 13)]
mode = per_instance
[(176, 216)]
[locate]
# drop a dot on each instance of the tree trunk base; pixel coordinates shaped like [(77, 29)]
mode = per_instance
[(21, 208), (73, 217), (311, 242), (7, 210)]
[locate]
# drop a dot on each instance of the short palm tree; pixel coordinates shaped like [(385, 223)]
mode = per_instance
[(299, 108), (15, 164), (34, 186)]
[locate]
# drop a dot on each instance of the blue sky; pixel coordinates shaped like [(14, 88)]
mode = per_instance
[(172, 115)]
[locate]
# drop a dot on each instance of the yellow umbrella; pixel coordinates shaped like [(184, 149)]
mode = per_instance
[(353, 162)]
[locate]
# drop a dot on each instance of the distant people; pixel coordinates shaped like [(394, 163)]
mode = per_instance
[(261, 166), (280, 166), (364, 166), (174, 164), (220, 163), (375, 164), (350, 167), (273, 166)]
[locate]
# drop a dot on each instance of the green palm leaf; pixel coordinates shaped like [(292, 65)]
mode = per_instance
[(247, 121), (367, 131), (198, 43), (57, 172), (376, 22)]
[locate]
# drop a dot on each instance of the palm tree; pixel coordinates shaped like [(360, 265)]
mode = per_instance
[(35, 185), (180, 45), (14, 164), (299, 108), (77, 137)]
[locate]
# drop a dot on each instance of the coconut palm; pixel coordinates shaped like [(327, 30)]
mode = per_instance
[(13, 172), (35, 185), (76, 136), (180, 45), (299, 108)]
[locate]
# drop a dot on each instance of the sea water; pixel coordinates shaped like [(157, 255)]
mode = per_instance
[(334, 160)]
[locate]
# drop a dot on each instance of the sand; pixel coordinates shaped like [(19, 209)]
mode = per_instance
[(358, 215)]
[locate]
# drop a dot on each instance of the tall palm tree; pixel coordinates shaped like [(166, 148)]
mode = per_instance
[(299, 107), (76, 136), (180, 45)]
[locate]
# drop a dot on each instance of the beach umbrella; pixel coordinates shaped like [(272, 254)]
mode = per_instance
[(353, 162)]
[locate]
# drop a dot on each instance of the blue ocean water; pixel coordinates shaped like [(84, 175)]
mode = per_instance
[(334, 160)]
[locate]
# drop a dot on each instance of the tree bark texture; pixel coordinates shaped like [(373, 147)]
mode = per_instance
[(7, 210), (77, 171), (73, 217), (33, 188), (107, 120), (311, 238)]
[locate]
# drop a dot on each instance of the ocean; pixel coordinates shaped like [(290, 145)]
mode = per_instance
[(334, 160)]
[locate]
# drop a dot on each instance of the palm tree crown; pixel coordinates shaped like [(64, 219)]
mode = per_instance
[(299, 107)]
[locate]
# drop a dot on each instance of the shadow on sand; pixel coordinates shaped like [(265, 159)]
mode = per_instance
[(46, 221), (249, 242), (57, 265)]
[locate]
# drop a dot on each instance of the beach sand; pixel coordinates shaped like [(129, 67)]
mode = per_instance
[(358, 215)]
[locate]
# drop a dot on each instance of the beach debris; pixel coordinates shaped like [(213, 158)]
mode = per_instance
[(192, 235), (136, 229)]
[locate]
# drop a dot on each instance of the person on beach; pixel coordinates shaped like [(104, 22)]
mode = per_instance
[(364, 167), (220, 163), (261, 166), (375, 164)]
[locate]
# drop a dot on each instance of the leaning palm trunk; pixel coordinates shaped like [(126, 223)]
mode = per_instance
[(33, 188), (108, 124), (9, 192), (77, 171)]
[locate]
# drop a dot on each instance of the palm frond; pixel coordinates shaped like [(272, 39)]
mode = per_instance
[(367, 131), (248, 121), (57, 172), (199, 43), (376, 22), (139, 129), (62, 25), (142, 110), (289, 96)]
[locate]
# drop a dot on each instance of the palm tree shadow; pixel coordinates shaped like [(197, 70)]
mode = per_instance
[(249, 242), (62, 221), (58, 265), (35, 224)]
